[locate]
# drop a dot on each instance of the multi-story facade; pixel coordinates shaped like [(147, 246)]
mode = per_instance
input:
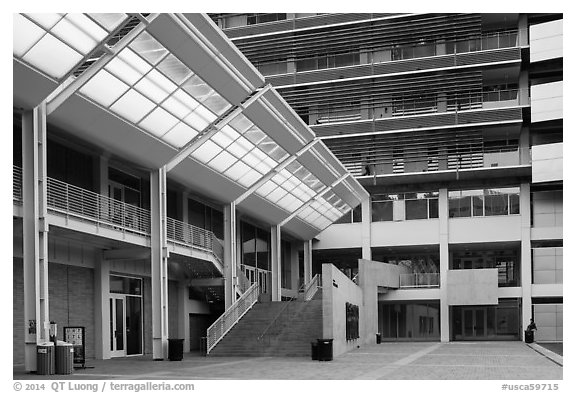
[(157, 179), (453, 123)]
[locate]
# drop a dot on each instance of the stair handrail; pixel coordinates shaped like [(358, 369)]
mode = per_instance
[(230, 317), (283, 314), (312, 287)]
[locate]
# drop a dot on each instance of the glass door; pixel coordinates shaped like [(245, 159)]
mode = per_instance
[(474, 326), (117, 326)]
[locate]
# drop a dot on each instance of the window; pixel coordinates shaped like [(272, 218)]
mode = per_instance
[(488, 202), (507, 261), (382, 207), (421, 205), (417, 205), (354, 215)]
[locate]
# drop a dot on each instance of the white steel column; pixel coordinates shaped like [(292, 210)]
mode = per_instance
[(159, 261), (525, 255), (444, 264), (183, 315), (35, 233), (367, 229), (276, 248), (102, 307), (307, 261), (230, 254)]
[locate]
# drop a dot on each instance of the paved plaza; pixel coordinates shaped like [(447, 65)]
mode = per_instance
[(389, 361)]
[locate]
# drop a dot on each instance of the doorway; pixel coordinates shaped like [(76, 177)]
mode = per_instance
[(126, 321)]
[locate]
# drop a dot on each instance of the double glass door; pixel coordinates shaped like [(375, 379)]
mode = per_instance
[(125, 325), (474, 323), (254, 274)]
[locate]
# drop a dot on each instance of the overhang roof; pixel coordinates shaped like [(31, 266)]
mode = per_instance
[(174, 80)]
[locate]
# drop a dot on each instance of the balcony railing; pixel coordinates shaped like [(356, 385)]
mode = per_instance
[(420, 280), (484, 42), (70, 200), (87, 205), (222, 325), (17, 184), (422, 105)]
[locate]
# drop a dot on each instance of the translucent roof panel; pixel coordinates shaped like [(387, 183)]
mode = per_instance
[(56, 43), (108, 21), (153, 89)]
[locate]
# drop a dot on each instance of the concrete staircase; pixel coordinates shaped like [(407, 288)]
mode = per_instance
[(294, 338)]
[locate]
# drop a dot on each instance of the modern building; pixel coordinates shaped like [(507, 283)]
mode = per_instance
[(170, 176), (158, 180), (453, 124)]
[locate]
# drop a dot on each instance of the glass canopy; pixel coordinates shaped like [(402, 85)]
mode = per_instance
[(148, 86)]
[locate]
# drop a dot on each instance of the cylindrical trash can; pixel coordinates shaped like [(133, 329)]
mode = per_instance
[(64, 358), (325, 349), (45, 358), (378, 338), (175, 348), (529, 336), (314, 346), (204, 346)]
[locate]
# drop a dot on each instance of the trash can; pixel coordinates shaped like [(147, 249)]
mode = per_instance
[(529, 336), (45, 358), (325, 349), (378, 338), (314, 346), (64, 358), (175, 348), (204, 346)]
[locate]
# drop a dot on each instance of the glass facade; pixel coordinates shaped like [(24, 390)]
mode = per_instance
[(416, 262), (498, 322), (409, 321), (488, 202), (405, 206), (355, 215), (507, 261)]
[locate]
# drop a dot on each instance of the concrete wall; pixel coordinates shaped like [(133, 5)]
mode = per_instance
[(547, 162), (546, 41), (549, 320), (484, 229), (400, 233), (547, 209), (337, 290), (472, 287), (547, 264), (546, 101), (340, 236), (372, 275)]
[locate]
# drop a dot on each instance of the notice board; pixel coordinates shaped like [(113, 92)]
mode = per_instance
[(76, 335)]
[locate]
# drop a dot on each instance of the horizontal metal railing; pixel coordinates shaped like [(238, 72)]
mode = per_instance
[(70, 200), (16, 183), (230, 317), (88, 205), (187, 234), (419, 280)]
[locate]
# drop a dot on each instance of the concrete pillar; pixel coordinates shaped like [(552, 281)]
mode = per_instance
[(102, 307), (159, 264), (525, 254), (276, 262), (183, 315), (444, 264), (230, 255), (294, 266), (523, 30), (524, 145), (367, 229), (307, 261), (35, 233)]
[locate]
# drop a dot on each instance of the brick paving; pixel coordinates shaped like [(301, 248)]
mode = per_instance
[(391, 361)]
